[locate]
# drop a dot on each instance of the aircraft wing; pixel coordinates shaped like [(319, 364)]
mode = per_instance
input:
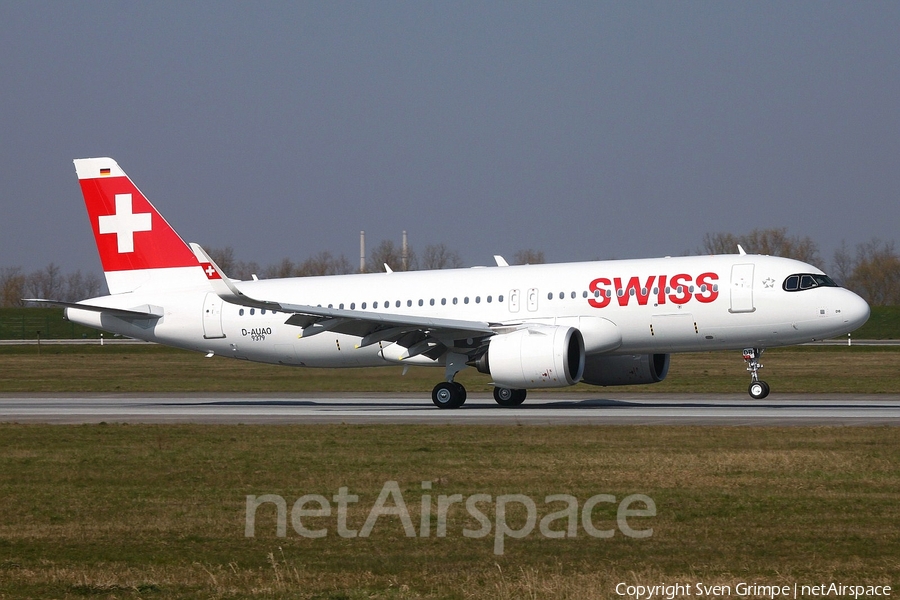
[(430, 335)]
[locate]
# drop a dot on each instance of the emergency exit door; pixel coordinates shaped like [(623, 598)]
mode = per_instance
[(212, 317)]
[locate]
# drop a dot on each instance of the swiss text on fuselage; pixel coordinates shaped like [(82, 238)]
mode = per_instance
[(660, 289)]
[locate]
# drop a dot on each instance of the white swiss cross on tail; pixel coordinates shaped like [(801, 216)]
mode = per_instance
[(125, 223)]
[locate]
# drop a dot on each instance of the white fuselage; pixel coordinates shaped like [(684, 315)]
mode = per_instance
[(663, 305)]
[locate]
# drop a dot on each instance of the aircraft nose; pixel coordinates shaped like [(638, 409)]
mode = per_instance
[(855, 310)]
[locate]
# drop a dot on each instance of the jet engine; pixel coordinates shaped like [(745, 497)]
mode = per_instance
[(625, 369), (540, 356)]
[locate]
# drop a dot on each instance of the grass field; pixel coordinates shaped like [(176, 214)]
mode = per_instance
[(150, 368), (124, 511), (145, 511), (25, 323)]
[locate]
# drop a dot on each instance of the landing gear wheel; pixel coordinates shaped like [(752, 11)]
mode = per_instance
[(448, 394), (759, 390), (460, 394), (507, 397)]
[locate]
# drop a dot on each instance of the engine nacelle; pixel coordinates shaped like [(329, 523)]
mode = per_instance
[(626, 369), (536, 357)]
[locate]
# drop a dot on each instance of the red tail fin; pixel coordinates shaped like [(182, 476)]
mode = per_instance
[(130, 233)]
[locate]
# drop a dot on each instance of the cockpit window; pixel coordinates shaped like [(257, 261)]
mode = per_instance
[(807, 281)]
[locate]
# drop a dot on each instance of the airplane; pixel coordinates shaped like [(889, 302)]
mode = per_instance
[(603, 323)]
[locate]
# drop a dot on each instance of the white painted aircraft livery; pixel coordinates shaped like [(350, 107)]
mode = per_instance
[(602, 323)]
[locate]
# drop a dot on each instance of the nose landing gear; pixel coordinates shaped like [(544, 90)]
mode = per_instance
[(758, 389)]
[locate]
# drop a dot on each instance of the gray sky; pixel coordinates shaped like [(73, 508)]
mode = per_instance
[(586, 130)]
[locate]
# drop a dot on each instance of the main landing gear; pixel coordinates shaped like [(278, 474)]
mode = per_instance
[(758, 389), (449, 394), (507, 397)]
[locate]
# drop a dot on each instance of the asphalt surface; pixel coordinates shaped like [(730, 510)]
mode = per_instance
[(538, 409)]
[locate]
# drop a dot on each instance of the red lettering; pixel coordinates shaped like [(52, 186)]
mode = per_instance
[(678, 289), (634, 289), (603, 299), (661, 290), (680, 293), (711, 292)]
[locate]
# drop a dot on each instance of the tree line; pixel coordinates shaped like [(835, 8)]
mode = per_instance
[(434, 256), (871, 269), (49, 282)]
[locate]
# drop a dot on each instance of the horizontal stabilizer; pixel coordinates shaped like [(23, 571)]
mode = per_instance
[(140, 312)]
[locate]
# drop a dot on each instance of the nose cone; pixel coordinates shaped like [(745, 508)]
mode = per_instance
[(855, 311)]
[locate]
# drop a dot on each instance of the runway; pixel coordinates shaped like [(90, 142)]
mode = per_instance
[(539, 409)]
